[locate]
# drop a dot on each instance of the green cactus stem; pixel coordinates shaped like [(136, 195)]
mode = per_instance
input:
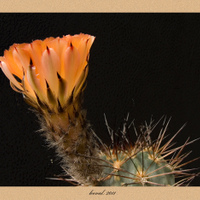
[(145, 163)]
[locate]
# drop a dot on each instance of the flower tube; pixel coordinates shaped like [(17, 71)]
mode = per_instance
[(51, 74)]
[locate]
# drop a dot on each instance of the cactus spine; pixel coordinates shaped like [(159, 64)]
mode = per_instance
[(144, 163)]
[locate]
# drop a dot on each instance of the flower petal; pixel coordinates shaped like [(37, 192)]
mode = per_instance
[(35, 83), (21, 58), (9, 75), (51, 65), (71, 63)]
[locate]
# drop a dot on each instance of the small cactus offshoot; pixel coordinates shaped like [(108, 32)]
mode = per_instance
[(51, 75)]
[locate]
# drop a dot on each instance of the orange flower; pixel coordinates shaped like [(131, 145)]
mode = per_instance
[(48, 72)]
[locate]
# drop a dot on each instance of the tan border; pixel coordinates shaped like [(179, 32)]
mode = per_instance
[(100, 6), (70, 193), (65, 193)]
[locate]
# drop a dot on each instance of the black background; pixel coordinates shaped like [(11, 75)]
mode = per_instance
[(145, 64)]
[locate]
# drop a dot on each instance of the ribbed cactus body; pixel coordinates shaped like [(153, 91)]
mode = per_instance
[(144, 168)]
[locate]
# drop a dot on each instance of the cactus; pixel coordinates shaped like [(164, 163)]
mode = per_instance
[(144, 163), (139, 170), (51, 76)]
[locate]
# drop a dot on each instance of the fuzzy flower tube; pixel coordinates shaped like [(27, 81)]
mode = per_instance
[(51, 76)]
